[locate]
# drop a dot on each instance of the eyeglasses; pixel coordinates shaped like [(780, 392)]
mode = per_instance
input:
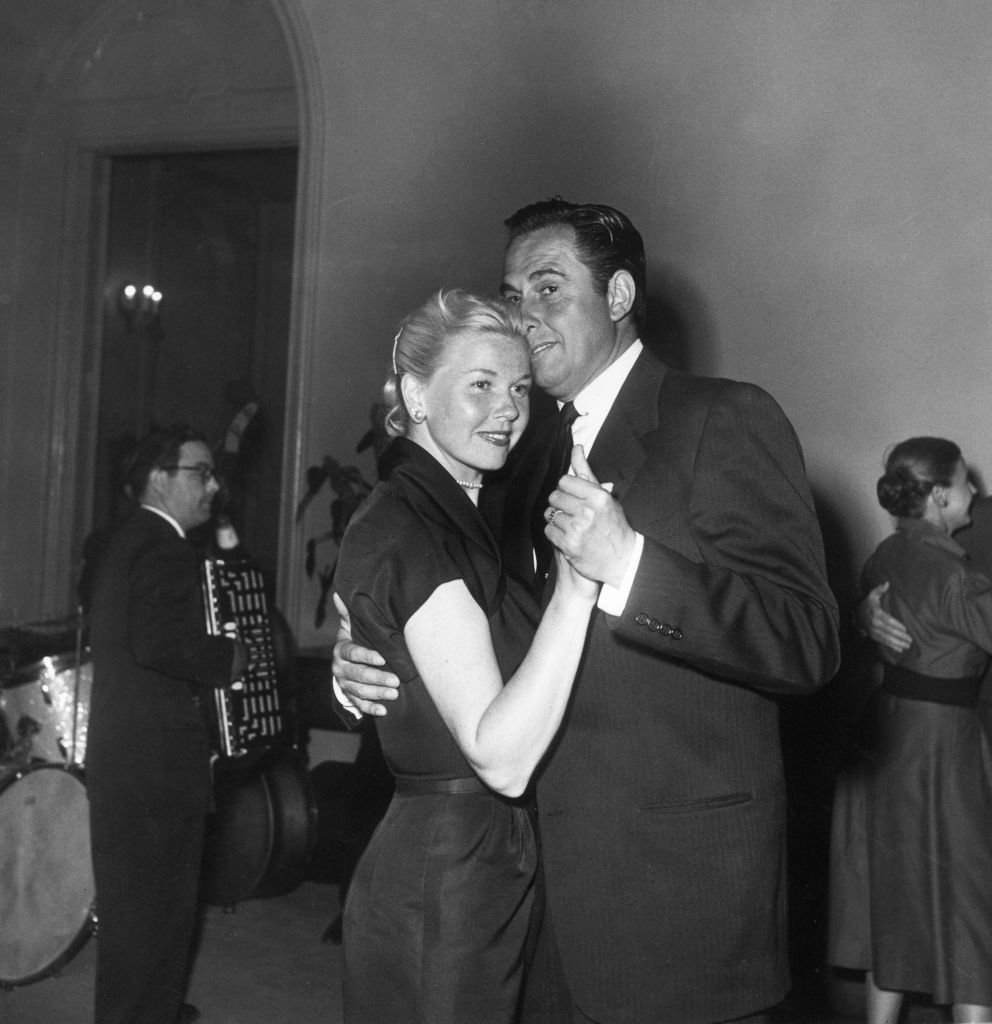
[(206, 472)]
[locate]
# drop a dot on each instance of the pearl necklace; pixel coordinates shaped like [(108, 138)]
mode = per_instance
[(469, 485)]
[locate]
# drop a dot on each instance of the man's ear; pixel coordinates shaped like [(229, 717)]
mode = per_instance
[(620, 294), (153, 488)]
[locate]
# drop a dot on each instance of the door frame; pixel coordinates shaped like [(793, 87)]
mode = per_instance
[(93, 133)]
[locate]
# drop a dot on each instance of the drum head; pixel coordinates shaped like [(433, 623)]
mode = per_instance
[(46, 878)]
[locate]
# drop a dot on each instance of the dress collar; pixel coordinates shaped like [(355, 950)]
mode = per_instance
[(436, 492), (927, 533)]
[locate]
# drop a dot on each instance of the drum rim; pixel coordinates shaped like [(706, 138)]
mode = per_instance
[(35, 671), (55, 965), (18, 771)]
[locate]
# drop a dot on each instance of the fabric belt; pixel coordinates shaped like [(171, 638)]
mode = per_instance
[(904, 682), (406, 786)]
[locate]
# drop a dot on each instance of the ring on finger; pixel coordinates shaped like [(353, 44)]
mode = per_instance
[(552, 514)]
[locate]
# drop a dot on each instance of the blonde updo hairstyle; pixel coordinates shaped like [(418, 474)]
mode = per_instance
[(913, 468), (422, 340)]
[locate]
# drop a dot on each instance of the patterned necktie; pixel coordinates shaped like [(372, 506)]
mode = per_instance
[(558, 463)]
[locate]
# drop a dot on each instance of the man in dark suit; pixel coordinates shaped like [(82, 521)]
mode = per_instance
[(662, 801), (148, 753)]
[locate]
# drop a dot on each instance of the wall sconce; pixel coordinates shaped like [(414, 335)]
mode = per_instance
[(139, 306)]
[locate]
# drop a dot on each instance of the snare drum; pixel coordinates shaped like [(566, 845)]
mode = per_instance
[(46, 709), (46, 878)]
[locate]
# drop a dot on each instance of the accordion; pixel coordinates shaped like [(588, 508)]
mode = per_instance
[(247, 716)]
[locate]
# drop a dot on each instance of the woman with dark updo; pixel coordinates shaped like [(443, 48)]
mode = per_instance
[(929, 800)]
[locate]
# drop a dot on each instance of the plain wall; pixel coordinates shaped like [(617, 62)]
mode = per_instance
[(811, 179)]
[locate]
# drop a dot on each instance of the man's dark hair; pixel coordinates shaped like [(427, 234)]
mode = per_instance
[(157, 450), (605, 239)]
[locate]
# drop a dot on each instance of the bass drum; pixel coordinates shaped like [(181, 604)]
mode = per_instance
[(47, 892), (262, 834)]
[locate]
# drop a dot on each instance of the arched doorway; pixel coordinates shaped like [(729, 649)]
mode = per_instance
[(173, 81)]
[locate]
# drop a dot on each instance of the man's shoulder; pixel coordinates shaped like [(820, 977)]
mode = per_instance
[(684, 396), (142, 545), (144, 526), (690, 413), (711, 389)]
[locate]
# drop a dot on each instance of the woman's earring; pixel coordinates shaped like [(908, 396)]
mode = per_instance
[(417, 415)]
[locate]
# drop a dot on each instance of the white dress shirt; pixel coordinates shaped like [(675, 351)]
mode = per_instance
[(593, 404)]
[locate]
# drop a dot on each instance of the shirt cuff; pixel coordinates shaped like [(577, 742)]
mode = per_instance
[(344, 701), (613, 600)]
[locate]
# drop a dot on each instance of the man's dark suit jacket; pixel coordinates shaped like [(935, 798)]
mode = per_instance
[(662, 804), (148, 745), (976, 539)]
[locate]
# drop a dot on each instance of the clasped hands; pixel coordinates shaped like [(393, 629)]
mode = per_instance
[(587, 524)]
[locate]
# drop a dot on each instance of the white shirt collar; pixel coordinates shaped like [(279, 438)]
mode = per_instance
[(594, 402), (167, 518)]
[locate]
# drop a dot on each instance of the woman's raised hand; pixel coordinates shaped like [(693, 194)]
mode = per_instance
[(562, 526)]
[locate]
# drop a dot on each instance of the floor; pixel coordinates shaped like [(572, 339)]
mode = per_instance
[(264, 963), (267, 963)]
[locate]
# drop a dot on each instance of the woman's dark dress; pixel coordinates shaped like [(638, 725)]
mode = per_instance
[(437, 911), (927, 794)]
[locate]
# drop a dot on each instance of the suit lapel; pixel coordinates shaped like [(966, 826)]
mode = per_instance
[(621, 446)]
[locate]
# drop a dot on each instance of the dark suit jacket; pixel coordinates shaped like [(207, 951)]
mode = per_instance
[(148, 744), (662, 802), (976, 539)]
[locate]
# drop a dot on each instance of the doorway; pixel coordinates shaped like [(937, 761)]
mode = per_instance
[(198, 276)]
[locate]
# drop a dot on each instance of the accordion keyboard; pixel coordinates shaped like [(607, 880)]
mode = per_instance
[(248, 716)]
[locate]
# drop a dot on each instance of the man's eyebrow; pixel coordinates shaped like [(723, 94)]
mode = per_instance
[(543, 271)]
